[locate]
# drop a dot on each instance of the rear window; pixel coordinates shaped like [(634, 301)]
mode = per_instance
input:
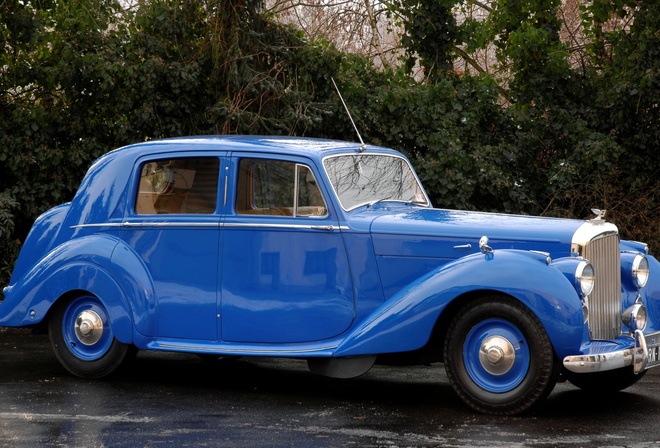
[(178, 186)]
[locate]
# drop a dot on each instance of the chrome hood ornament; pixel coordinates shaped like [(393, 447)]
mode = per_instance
[(600, 215)]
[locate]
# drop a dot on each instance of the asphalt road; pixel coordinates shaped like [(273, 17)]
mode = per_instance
[(176, 400)]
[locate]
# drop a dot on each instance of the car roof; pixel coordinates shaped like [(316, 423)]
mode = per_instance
[(106, 180), (301, 146)]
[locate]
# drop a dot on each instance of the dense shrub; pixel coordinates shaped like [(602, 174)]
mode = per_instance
[(80, 78)]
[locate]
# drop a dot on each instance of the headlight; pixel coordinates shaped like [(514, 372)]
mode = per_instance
[(640, 271), (635, 317), (579, 272), (585, 275)]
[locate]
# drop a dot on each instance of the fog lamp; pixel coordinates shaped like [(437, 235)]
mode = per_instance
[(635, 317)]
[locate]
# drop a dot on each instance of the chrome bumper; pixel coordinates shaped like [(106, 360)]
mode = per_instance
[(642, 356)]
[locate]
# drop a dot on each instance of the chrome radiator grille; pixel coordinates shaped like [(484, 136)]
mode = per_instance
[(605, 300)]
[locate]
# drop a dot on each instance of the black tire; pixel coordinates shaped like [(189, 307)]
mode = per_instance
[(609, 381), (498, 357), (87, 349)]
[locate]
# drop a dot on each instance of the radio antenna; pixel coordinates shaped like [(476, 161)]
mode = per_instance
[(363, 147)]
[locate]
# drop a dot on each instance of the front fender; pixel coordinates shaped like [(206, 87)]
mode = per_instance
[(651, 294), (405, 322), (77, 265)]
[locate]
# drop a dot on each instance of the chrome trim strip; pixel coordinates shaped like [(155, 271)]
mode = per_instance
[(171, 224), (285, 226), (224, 197), (81, 226), (150, 224), (215, 224), (244, 350), (224, 200)]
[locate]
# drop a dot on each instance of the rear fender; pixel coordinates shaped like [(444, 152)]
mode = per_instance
[(77, 266), (405, 322), (40, 240)]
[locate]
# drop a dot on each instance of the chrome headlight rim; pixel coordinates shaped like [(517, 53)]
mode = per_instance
[(585, 276), (640, 271)]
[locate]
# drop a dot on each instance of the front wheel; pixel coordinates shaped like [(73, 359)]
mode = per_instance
[(498, 357), (82, 339)]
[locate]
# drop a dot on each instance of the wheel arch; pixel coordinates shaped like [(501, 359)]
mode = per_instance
[(105, 289), (432, 351), (441, 327), (113, 300)]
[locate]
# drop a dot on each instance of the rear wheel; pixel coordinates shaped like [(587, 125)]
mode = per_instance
[(498, 357), (82, 339)]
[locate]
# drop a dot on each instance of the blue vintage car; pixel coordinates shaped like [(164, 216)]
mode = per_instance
[(331, 252)]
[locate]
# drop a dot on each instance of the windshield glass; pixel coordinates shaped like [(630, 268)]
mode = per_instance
[(363, 179)]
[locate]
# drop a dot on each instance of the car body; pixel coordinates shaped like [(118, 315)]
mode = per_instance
[(332, 252)]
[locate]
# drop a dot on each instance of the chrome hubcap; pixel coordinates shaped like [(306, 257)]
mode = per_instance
[(497, 355), (89, 327)]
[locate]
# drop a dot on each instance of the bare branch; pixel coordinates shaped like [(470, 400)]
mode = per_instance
[(375, 40), (481, 5), (480, 69), (285, 5)]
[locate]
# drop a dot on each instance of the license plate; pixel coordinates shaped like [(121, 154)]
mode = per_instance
[(653, 347)]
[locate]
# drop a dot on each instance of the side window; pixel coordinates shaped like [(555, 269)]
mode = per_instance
[(278, 188), (178, 186)]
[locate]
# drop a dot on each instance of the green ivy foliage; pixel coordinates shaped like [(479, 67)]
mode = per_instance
[(82, 77), (8, 247), (431, 34)]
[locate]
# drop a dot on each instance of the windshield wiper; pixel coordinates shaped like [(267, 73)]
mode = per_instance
[(369, 204), (409, 201)]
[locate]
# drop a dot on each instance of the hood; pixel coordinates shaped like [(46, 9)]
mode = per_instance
[(438, 233)]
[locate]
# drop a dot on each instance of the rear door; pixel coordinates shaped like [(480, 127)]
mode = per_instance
[(174, 227)]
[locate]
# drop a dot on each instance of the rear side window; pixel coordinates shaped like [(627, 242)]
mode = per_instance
[(278, 188), (178, 186)]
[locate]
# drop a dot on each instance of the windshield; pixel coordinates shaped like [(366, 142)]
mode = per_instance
[(364, 179)]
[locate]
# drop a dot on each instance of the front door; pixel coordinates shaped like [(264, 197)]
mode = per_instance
[(285, 274)]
